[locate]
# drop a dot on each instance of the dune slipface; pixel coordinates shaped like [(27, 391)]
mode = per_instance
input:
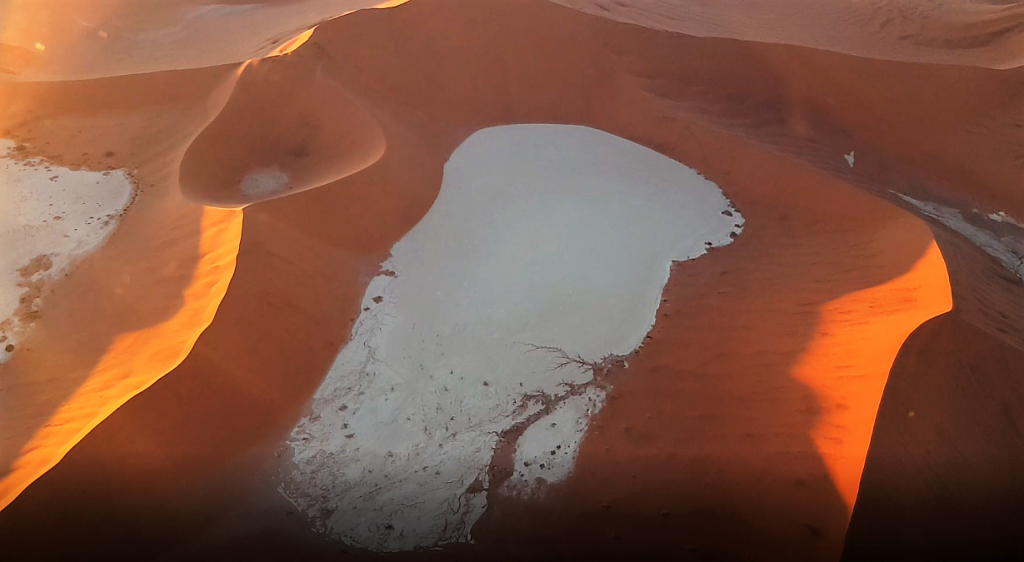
[(740, 431), (544, 254), (316, 134)]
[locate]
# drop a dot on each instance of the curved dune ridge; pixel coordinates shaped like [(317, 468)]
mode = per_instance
[(127, 315), (51, 402), (317, 134), (168, 370)]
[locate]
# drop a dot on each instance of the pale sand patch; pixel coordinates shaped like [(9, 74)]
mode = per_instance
[(264, 183), (1003, 217), (1009, 251), (548, 448), (49, 216), (547, 235)]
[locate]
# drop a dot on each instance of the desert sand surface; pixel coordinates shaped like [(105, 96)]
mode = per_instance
[(985, 33), (52, 216), (81, 39), (870, 278), (158, 277)]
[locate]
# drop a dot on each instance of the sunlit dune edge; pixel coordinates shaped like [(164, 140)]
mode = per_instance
[(834, 383), (135, 360), (847, 361), (292, 44)]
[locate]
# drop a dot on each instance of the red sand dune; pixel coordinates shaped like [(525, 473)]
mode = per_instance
[(315, 135), (741, 427), (986, 33), (133, 309), (81, 39)]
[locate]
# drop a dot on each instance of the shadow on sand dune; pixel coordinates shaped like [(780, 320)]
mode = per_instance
[(88, 344), (942, 478), (704, 449)]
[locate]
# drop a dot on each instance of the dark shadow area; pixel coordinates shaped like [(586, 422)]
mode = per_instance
[(704, 450), (942, 479)]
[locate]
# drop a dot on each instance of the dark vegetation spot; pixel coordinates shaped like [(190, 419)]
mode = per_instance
[(378, 300), (9, 348), (109, 153), (727, 213)]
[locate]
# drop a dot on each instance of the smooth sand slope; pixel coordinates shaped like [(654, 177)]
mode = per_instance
[(51, 216), (80, 39), (981, 33), (146, 297), (315, 135), (907, 508), (132, 308), (741, 427)]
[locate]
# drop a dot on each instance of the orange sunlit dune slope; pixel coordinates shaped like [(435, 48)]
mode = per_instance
[(133, 361), (52, 400), (848, 359)]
